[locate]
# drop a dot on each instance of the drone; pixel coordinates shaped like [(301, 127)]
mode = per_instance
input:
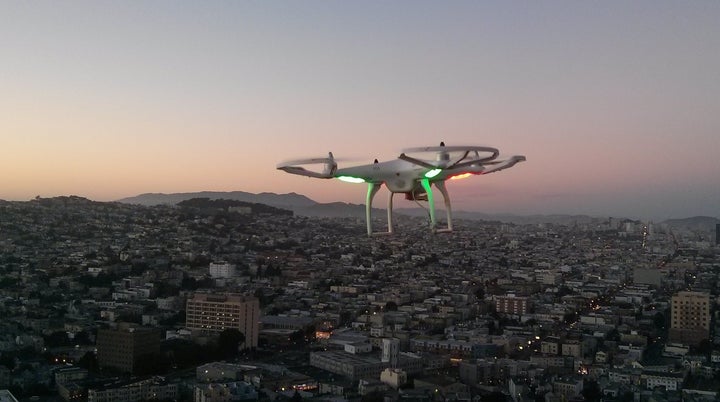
[(409, 175)]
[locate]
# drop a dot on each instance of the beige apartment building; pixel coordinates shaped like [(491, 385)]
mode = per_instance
[(690, 317), (210, 313)]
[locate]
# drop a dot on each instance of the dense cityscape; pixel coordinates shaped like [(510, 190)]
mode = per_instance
[(218, 300)]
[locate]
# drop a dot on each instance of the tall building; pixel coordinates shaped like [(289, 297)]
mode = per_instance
[(122, 348), (690, 317), (215, 313), (717, 233), (391, 351)]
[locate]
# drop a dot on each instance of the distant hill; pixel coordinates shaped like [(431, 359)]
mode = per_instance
[(702, 223), (208, 205), (286, 201), (304, 206), (299, 204)]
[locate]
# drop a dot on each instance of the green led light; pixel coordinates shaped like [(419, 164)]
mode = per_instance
[(351, 179), (433, 173)]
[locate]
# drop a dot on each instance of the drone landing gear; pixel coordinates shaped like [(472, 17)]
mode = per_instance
[(373, 188), (431, 205)]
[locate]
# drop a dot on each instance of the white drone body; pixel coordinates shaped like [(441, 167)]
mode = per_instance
[(412, 176)]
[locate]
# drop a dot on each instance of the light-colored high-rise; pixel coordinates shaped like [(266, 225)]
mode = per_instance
[(391, 351), (690, 317), (216, 313)]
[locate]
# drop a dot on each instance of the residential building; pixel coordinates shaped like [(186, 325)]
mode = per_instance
[(690, 317), (511, 304), (568, 387), (349, 365), (222, 270), (152, 388), (395, 378), (223, 392), (670, 381)]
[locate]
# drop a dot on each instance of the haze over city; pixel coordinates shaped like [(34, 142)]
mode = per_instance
[(614, 104)]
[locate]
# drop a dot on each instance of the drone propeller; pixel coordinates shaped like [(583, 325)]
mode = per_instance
[(296, 166), (470, 155), (454, 148)]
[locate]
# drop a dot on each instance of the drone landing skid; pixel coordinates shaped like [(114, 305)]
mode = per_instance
[(373, 188)]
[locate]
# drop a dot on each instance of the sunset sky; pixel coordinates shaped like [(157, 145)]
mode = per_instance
[(615, 104)]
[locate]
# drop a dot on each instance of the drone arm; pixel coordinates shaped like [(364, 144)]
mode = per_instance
[(416, 161), (295, 167), (508, 163)]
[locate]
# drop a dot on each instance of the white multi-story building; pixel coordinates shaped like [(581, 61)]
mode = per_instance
[(222, 270), (391, 351), (671, 381)]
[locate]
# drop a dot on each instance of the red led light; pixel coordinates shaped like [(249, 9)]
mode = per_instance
[(461, 176)]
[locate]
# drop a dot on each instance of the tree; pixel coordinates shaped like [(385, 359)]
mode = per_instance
[(591, 391), (228, 343), (177, 318), (375, 396), (188, 283), (153, 364), (563, 291), (183, 353), (613, 335), (83, 338), (705, 347), (659, 320), (570, 318), (297, 338), (57, 338), (89, 362)]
